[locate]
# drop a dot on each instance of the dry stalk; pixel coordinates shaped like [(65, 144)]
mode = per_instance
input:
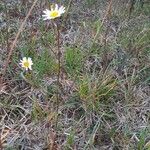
[(59, 71), (107, 14)]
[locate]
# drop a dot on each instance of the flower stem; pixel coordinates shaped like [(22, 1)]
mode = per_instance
[(59, 70)]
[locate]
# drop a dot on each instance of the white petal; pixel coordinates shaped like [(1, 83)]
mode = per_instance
[(56, 7), (52, 8), (24, 59), (45, 12), (29, 59), (61, 9), (30, 67), (30, 63), (45, 18)]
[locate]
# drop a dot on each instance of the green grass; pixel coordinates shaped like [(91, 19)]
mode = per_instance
[(73, 60)]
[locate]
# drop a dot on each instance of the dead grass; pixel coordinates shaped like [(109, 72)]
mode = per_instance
[(104, 80)]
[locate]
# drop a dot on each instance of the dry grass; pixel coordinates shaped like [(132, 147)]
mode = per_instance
[(104, 80)]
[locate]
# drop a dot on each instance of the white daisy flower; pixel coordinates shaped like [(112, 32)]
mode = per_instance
[(26, 63), (54, 12)]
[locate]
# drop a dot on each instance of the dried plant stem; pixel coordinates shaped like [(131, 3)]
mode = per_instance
[(107, 13), (14, 43), (59, 53), (59, 70)]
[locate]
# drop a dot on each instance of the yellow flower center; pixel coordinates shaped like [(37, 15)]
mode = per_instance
[(54, 14), (26, 64)]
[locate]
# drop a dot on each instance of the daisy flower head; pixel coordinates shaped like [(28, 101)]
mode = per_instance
[(54, 12), (26, 63)]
